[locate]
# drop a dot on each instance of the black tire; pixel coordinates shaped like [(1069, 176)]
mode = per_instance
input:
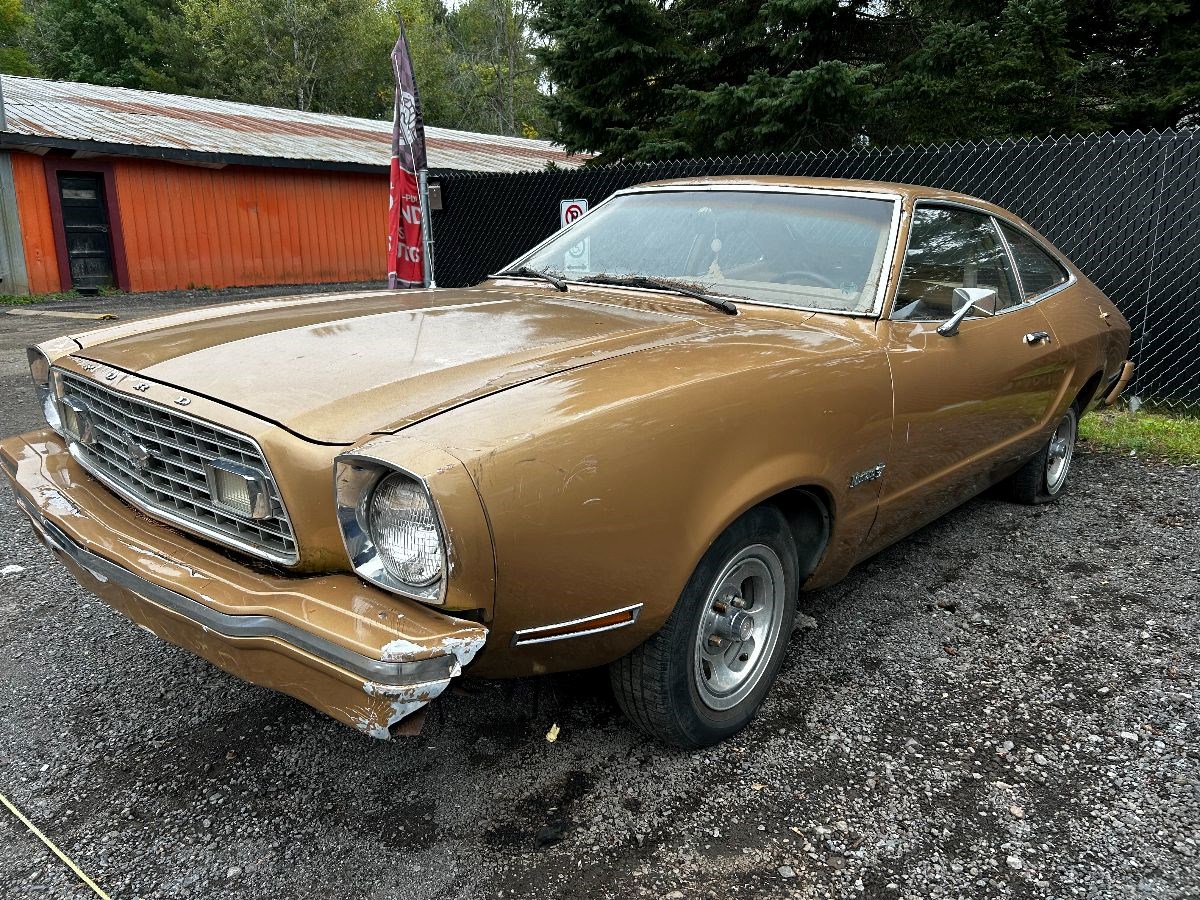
[(1034, 482), (656, 684)]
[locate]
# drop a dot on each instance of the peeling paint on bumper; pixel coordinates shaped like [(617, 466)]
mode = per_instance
[(356, 653)]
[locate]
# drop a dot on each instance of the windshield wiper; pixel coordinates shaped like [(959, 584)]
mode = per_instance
[(530, 272), (663, 284)]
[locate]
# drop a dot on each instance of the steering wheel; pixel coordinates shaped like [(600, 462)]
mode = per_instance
[(821, 280)]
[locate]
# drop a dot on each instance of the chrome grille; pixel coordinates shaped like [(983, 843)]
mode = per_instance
[(172, 483)]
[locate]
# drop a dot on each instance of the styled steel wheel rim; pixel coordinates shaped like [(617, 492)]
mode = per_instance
[(739, 627), (1062, 448)]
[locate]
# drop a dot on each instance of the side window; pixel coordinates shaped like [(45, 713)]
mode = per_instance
[(948, 248), (1038, 269)]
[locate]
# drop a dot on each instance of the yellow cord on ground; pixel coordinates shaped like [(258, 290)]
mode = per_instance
[(45, 840)]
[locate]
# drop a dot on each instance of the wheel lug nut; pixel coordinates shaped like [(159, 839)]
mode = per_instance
[(720, 608), (716, 641), (737, 602)]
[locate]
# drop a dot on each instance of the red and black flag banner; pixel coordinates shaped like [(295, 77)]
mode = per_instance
[(406, 249)]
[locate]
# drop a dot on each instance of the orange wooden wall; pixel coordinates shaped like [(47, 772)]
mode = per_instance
[(187, 227), (37, 232), (190, 227)]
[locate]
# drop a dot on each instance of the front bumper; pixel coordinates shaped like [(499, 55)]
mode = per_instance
[(357, 653)]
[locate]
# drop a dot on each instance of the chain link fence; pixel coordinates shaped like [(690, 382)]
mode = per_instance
[(1125, 208)]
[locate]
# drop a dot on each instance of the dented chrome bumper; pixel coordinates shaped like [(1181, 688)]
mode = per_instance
[(401, 655)]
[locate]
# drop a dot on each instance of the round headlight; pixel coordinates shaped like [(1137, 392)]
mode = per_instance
[(403, 527)]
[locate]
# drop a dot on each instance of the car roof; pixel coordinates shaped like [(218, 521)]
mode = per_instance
[(907, 191)]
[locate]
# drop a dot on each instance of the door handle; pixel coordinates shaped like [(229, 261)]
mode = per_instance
[(1037, 337)]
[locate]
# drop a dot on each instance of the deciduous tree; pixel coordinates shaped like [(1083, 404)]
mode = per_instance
[(14, 23), (323, 55), (493, 69)]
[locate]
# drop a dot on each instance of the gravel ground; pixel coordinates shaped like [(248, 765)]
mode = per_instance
[(1003, 705)]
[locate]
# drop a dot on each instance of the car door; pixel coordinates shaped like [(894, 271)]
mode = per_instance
[(968, 406), (1088, 330)]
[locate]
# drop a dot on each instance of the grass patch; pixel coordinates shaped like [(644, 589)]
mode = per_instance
[(56, 296), (31, 299), (1176, 437)]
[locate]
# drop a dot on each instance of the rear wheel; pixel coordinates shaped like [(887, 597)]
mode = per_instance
[(1044, 477), (702, 677)]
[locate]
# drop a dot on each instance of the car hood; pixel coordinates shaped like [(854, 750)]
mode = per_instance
[(335, 368)]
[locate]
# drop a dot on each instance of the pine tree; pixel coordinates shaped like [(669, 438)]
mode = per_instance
[(644, 80), (99, 41), (608, 61), (647, 79)]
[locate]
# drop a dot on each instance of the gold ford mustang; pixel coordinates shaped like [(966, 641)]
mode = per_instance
[(633, 447)]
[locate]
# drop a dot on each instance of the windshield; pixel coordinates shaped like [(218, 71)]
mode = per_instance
[(819, 251)]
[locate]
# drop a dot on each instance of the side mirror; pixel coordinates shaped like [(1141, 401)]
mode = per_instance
[(968, 301)]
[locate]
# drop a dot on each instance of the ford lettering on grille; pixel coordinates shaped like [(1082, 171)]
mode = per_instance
[(157, 459)]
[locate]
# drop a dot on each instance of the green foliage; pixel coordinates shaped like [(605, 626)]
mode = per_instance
[(645, 80), (98, 41), (1034, 67), (323, 55), (474, 63), (1176, 437), (32, 299), (14, 23), (491, 68), (607, 60), (648, 79), (1143, 58), (654, 79)]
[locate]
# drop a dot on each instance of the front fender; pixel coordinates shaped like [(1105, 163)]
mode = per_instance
[(604, 486), (470, 567)]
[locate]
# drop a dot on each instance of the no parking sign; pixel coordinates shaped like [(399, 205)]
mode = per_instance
[(569, 211), (579, 257)]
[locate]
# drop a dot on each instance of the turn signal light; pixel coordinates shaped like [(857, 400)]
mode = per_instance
[(240, 489), (77, 421)]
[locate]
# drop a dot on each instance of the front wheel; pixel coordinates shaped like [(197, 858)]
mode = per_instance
[(1044, 477), (702, 677)]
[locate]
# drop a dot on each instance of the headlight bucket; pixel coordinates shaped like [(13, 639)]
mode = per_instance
[(391, 528)]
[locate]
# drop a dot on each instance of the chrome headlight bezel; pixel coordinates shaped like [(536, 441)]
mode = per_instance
[(39, 367), (355, 480), (41, 371)]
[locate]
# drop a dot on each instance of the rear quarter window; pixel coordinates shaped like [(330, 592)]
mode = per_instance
[(1038, 269)]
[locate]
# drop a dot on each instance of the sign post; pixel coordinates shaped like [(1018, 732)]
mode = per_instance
[(426, 229)]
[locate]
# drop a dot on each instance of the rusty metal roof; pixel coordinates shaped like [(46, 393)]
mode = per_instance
[(65, 114)]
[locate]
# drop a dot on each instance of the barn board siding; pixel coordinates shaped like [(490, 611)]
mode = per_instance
[(37, 231), (188, 227)]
